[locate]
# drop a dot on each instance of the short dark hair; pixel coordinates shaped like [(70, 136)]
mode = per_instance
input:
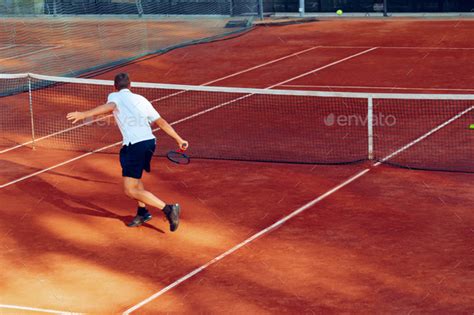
[(121, 81)]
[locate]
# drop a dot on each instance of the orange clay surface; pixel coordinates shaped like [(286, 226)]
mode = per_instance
[(393, 241)]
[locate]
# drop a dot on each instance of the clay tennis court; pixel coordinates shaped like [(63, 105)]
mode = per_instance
[(352, 235)]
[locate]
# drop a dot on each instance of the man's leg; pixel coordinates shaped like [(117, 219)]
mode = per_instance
[(140, 186), (134, 189), (143, 215)]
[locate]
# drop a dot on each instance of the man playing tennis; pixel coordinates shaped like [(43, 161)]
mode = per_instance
[(134, 114)]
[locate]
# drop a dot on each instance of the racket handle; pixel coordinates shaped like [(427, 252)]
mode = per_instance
[(183, 148)]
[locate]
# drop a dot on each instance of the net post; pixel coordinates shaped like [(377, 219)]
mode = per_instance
[(231, 8), (54, 8), (301, 8), (138, 3), (370, 127), (30, 98), (385, 9)]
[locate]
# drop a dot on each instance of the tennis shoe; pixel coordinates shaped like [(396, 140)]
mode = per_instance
[(139, 220), (173, 216)]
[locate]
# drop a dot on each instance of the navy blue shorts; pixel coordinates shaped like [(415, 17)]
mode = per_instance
[(135, 158)]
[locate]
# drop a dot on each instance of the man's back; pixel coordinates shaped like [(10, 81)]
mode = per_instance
[(133, 114)]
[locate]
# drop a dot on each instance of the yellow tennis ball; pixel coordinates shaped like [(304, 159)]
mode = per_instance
[(339, 12)]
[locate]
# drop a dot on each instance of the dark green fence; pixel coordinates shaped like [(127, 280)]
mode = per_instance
[(365, 6), (130, 7)]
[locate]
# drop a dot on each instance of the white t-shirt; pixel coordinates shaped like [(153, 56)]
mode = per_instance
[(133, 114)]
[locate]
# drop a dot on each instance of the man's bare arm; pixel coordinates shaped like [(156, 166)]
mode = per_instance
[(163, 125), (99, 110)]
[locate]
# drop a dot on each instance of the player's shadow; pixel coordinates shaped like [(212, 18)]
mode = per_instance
[(84, 179), (46, 192)]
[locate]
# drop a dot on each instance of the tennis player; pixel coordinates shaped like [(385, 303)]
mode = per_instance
[(134, 115)]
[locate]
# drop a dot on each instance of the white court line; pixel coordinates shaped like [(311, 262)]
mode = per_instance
[(262, 65), (6, 47), (291, 215), (167, 96), (401, 47), (372, 88), (426, 135), (247, 241), (324, 67), (175, 122), (59, 164), (30, 53), (37, 45), (34, 309)]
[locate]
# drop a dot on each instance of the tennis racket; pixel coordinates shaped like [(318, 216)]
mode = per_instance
[(178, 157)]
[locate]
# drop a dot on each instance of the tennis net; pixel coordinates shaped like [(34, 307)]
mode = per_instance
[(410, 130), (72, 38)]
